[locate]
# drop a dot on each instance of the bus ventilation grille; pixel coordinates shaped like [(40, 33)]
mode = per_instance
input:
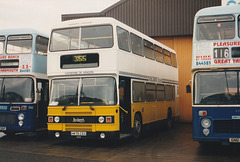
[(226, 126), (7, 118)]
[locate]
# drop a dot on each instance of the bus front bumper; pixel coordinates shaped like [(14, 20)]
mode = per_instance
[(103, 135)]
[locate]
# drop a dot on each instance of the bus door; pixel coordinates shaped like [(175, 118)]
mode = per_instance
[(125, 104), (42, 103)]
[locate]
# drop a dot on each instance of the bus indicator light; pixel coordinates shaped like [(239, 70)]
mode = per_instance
[(50, 119), (202, 113), (23, 107), (108, 119)]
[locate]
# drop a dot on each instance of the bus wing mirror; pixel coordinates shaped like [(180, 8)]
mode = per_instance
[(188, 89), (122, 83), (39, 87)]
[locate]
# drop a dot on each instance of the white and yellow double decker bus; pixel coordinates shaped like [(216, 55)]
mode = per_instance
[(108, 80)]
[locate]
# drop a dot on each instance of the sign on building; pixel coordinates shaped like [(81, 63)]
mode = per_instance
[(230, 2)]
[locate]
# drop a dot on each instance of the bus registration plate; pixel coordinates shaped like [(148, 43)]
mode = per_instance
[(234, 140), (78, 133), (3, 128)]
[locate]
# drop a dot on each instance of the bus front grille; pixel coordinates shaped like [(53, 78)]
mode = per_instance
[(7, 119), (78, 127), (226, 126), (78, 113)]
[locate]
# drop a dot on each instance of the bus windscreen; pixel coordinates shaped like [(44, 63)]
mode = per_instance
[(216, 28), (93, 37), (16, 90)]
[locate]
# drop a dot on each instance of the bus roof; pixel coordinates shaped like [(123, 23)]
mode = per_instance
[(21, 31), (218, 10)]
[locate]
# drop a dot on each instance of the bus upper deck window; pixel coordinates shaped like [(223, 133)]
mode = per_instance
[(64, 39), (2, 44), (96, 37), (136, 43), (215, 27), (239, 26), (123, 39), (18, 44), (41, 45)]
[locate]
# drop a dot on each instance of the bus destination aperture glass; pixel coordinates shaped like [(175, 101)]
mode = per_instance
[(79, 61)]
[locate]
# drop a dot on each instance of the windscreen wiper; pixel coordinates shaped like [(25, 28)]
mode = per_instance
[(64, 108), (91, 108)]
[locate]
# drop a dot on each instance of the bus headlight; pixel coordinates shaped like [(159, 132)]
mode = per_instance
[(56, 119), (20, 116), (101, 119), (206, 123)]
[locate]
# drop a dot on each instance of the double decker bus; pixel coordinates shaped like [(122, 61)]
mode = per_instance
[(108, 80), (215, 75), (23, 81)]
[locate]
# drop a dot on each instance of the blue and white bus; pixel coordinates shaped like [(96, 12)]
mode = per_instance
[(216, 75), (23, 81)]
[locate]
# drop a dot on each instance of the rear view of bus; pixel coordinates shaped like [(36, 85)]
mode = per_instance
[(216, 75), (23, 81)]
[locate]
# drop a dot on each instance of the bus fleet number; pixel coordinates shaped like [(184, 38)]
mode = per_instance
[(221, 52)]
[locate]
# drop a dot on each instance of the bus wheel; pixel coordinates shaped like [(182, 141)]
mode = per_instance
[(137, 127), (169, 119), (10, 134)]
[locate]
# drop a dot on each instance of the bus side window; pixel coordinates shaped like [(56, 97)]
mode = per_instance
[(150, 92), (174, 91), (39, 90), (169, 93), (123, 39), (239, 26), (2, 44), (160, 92), (158, 53), (167, 57), (138, 92), (174, 59), (42, 90), (148, 50), (136, 43), (41, 45)]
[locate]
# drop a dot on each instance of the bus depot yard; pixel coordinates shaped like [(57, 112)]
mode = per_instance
[(105, 83), (162, 145)]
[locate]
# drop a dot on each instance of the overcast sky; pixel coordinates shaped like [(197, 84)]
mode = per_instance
[(42, 15)]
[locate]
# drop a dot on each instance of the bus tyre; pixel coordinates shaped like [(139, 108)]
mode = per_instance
[(137, 127), (169, 119), (9, 134)]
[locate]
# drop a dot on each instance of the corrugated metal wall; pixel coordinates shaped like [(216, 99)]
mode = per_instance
[(183, 47), (154, 17), (160, 17)]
